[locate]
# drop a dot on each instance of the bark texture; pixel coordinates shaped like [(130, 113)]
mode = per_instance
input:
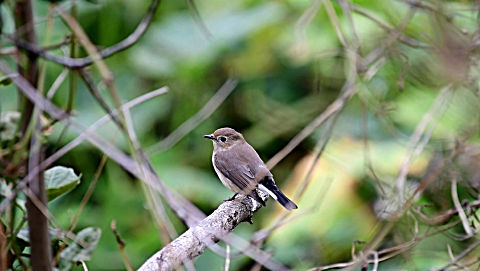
[(209, 231)]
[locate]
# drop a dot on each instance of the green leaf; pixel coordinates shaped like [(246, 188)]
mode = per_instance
[(60, 180), (82, 248)]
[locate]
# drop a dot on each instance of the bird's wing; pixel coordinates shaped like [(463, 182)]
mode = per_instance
[(241, 166)]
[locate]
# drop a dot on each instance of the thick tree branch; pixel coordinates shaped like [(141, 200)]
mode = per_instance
[(41, 255), (27, 63), (28, 67), (76, 63), (210, 230)]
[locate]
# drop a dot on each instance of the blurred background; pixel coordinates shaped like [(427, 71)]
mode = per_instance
[(412, 72)]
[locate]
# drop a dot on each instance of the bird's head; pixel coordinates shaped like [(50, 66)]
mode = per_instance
[(225, 138)]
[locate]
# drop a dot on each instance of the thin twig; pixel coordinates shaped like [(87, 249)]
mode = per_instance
[(121, 246), (57, 83), (334, 107), (83, 39), (198, 19), (379, 52), (144, 160), (3, 248), (460, 256), (390, 252), (347, 10), (227, 258), (98, 97), (421, 136), (460, 211), (195, 120), (14, 50), (76, 63), (89, 192), (84, 265), (375, 261), (402, 37), (301, 24), (335, 22)]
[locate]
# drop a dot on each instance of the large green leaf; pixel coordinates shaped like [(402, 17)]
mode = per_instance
[(81, 249), (60, 180)]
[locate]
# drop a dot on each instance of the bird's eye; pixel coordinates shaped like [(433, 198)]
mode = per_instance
[(222, 138)]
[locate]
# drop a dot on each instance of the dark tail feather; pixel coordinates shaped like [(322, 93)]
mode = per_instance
[(269, 184)]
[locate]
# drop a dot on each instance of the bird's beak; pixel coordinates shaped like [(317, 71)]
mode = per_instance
[(209, 137)]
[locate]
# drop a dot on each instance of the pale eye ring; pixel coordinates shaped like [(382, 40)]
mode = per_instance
[(222, 138)]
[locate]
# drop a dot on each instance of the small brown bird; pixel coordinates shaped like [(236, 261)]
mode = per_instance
[(241, 170)]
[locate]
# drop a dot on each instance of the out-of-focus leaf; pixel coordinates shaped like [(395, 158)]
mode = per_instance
[(58, 1), (390, 205), (8, 124), (60, 180), (184, 42), (3, 189), (81, 249), (55, 234), (6, 190), (53, 1)]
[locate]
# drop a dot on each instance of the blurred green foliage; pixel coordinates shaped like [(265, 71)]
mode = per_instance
[(288, 73)]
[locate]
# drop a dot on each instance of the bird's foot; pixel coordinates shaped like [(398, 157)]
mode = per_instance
[(249, 220), (232, 198)]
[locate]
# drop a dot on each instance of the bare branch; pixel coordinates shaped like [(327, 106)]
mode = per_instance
[(402, 37), (227, 258), (58, 82), (98, 97), (3, 248), (41, 255), (348, 91), (209, 231), (460, 211), (28, 63), (121, 245), (76, 63), (335, 22), (198, 19), (334, 107), (196, 119), (461, 256), (421, 135)]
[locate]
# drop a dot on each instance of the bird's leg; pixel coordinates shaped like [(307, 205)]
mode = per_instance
[(232, 198), (256, 197)]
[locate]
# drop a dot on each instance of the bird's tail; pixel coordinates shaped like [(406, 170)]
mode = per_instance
[(269, 186)]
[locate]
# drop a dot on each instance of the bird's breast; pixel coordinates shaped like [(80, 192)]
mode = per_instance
[(225, 181)]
